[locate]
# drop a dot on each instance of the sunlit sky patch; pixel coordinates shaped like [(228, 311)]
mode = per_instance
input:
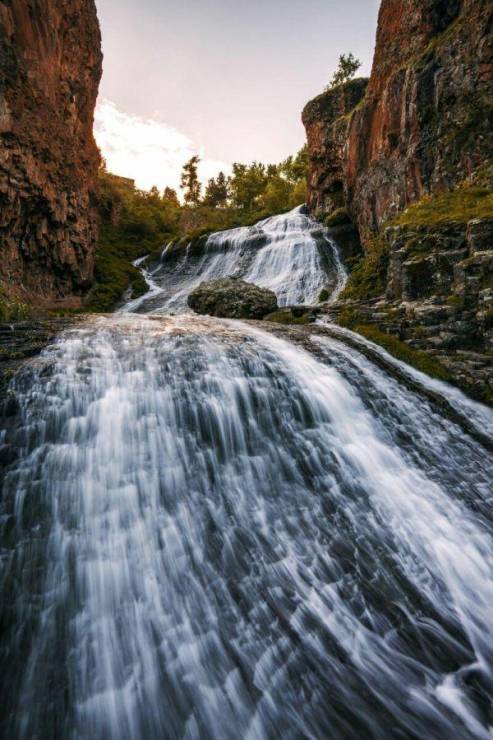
[(150, 152), (224, 78)]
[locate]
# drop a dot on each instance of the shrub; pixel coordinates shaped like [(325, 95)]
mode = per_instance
[(13, 309)]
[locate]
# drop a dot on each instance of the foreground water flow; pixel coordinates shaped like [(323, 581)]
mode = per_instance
[(213, 532)]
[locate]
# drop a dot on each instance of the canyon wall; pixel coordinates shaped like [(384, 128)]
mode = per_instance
[(50, 68), (411, 165), (426, 120), (326, 119)]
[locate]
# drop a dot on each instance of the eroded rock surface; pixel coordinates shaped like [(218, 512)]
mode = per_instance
[(50, 67), (439, 298), (426, 122), (421, 133), (326, 119)]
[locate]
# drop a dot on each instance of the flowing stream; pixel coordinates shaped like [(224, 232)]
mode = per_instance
[(216, 531)]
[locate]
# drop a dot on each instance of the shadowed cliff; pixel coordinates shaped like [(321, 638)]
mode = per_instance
[(50, 68)]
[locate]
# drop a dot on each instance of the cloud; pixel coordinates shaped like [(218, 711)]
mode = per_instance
[(150, 152)]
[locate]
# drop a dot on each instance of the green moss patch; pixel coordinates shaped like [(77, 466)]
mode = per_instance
[(369, 274), (460, 205), (114, 277), (400, 350), (288, 317)]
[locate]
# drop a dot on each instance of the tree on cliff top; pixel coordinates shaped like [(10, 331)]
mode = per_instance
[(190, 181), (348, 66)]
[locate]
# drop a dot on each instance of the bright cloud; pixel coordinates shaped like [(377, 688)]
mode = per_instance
[(150, 152)]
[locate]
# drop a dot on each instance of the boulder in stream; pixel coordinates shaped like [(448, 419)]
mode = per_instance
[(232, 298)]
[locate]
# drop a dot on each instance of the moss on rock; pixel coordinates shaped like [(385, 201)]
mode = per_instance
[(232, 298), (292, 315), (460, 205), (418, 359)]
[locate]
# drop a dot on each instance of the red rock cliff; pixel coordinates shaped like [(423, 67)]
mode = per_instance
[(326, 119), (426, 121), (50, 68)]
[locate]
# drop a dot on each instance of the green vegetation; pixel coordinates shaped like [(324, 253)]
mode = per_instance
[(190, 183), (288, 317), (12, 309), (324, 295), (460, 205), (369, 275), (346, 70), (135, 223), (400, 350)]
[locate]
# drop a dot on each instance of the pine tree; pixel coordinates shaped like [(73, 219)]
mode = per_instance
[(348, 66)]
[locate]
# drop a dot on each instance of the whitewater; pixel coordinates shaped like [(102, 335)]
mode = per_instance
[(217, 529)]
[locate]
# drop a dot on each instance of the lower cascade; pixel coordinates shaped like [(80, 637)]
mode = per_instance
[(213, 531)]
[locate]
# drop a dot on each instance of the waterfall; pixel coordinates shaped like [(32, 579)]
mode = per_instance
[(291, 254), (211, 531)]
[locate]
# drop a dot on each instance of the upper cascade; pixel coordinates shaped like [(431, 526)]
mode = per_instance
[(290, 254)]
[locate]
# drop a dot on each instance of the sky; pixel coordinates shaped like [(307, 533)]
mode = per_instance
[(225, 79)]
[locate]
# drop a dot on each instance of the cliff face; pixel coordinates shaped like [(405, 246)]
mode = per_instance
[(426, 120), (415, 172), (326, 120), (50, 67)]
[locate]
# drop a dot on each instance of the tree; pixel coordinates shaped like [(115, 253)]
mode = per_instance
[(247, 185), (296, 168), (190, 181), (153, 195), (170, 196), (277, 195), (348, 66), (217, 191)]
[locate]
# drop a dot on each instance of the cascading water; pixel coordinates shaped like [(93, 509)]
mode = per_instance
[(291, 254), (213, 532)]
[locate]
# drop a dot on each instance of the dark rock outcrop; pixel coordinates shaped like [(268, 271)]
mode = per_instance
[(438, 298), (232, 298), (50, 67)]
